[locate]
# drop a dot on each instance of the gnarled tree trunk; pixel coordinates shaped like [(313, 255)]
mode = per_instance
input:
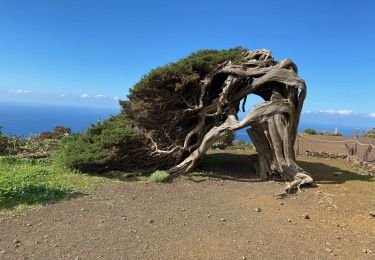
[(272, 125)]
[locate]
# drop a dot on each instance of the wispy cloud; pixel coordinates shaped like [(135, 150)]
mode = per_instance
[(372, 115), (342, 112), (20, 91), (86, 98), (307, 112)]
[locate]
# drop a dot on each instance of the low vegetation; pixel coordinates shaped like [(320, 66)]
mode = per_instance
[(111, 145), (370, 133), (159, 176), (25, 182), (312, 131)]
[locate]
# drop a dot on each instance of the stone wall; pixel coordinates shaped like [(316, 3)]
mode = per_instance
[(352, 160)]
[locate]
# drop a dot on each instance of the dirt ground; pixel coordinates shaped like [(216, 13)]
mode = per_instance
[(307, 143), (228, 214)]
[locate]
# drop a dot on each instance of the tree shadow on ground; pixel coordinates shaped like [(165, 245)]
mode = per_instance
[(228, 166), (32, 194), (240, 167)]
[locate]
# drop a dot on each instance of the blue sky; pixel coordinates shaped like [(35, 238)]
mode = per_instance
[(92, 52)]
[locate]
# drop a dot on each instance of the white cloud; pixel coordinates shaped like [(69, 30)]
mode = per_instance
[(84, 95), (99, 96), (116, 98), (20, 91), (342, 112), (371, 115), (307, 112)]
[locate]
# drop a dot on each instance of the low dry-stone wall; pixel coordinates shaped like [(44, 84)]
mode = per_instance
[(352, 160), (327, 155)]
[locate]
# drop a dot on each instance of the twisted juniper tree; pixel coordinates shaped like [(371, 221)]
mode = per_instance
[(176, 112), (185, 111)]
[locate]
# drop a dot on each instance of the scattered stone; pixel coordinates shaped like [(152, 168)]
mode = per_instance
[(16, 241), (281, 203), (337, 173), (289, 220), (151, 221), (367, 251), (82, 209), (2, 252), (372, 214), (223, 219), (209, 215), (258, 209), (29, 225), (243, 258), (306, 216), (183, 209), (124, 218), (248, 198), (102, 221), (329, 250)]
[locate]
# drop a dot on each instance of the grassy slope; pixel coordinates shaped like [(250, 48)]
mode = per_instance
[(25, 182)]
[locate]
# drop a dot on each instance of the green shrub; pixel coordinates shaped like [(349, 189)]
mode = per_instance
[(225, 142), (159, 176), (370, 133), (310, 131), (9, 145), (242, 145), (111, 145)]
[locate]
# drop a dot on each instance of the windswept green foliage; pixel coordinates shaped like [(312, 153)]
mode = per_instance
[(154, 114), (186, 71)]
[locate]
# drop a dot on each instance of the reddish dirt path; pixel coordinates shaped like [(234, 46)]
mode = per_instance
[(306, 143), (203, 218)]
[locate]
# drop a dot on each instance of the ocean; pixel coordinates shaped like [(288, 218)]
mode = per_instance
[(26, 119), (23, 119)]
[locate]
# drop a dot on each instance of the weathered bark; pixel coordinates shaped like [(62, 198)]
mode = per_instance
[(273, 124)]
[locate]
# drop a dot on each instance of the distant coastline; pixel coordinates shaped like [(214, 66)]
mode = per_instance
[(23, 119)]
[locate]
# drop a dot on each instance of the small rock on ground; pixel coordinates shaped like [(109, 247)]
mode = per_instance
[(306, 216)]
